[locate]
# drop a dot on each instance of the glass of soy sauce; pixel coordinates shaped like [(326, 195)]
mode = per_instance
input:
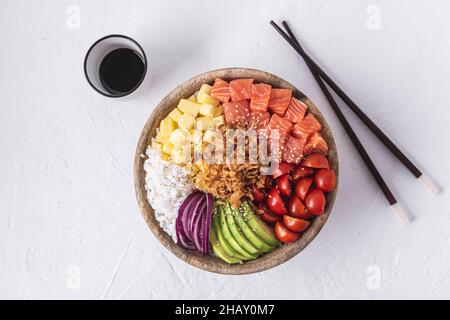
[(115, 65)]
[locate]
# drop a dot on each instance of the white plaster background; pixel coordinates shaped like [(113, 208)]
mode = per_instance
[(67, 201)]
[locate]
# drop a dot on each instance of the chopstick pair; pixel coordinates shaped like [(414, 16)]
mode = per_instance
[(318, 75)]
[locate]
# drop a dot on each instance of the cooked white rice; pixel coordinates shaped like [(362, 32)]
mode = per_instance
[(167, 186)]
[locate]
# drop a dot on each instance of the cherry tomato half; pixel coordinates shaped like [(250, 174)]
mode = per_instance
[(315, 160), (283, 168), (275, 202), (268, 182), (315, 202), (306, 215), (269, 217), (295, 224), (302, 187), (284, 185), (284, 234), (258, 195), (301, 172), (295, 207), (325, 179)]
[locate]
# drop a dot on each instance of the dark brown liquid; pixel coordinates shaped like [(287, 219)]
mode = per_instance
[(121, 70)]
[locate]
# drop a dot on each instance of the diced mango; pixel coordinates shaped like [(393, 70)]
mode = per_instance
[(167, 126), (205, 88), (193, 98), (167, 147), (219, 111), (219, 121), (186, 121), (189, 107), (210, 136), (204, 123), (159, 138), (206, 98), (156, 145), (207, 110), (181, 155), (175, 114), (197, 140), (196, 136), (177, 156), (165, 157), (179, 137)]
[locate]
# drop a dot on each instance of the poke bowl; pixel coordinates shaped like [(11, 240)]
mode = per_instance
[(236, 218)]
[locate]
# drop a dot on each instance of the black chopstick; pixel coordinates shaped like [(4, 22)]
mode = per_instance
[(364, 118), (362, 151)]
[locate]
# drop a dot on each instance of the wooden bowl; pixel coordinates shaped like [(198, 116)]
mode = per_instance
[(211, 263)]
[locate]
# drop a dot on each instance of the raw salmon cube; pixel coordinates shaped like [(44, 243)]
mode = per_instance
[(241, 89), (283, 126), (276, 122), (237, 114), (306, 127), (296, 111), (260, 97), (258, 120), (316, 144), (293, 149), (279, 100), (279, 156), (220, 90)]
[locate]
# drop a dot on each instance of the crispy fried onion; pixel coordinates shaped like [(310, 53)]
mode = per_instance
[(229, 182)]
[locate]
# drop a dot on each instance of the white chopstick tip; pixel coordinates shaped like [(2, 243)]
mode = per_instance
[(429, 183), (401, 214)]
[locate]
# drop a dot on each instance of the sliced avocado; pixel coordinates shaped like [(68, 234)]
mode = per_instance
[(224, 243), (219, 251), (229, 237), (237, 232), (263, 231), (248, 232)]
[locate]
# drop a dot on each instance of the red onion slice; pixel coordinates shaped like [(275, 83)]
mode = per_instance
[(181, 221), (207, 223), (193, 223), (197, 226), (187, 211), (181, 236), (194, 212)]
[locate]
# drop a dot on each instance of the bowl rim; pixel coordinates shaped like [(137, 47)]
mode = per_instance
[(211, 263)]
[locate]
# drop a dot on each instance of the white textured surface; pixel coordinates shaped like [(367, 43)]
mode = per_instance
[(67, 204)]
